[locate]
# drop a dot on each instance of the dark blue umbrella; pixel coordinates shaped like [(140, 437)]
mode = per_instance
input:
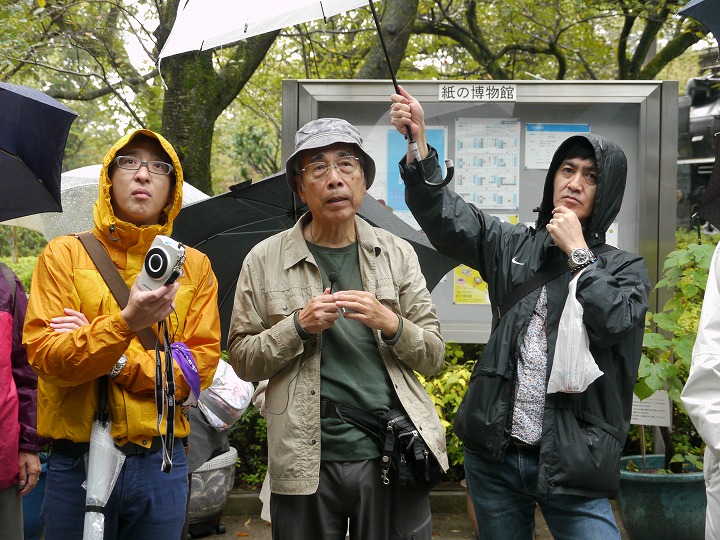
[(33, 132), (706, 12)]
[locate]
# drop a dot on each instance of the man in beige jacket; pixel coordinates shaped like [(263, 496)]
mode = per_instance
[(337, 309)]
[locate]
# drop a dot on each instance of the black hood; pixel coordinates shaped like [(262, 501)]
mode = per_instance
[(612, 173)]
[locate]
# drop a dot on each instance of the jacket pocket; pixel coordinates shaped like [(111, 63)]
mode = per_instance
[(282, 304), (481, 417), (586, 456)]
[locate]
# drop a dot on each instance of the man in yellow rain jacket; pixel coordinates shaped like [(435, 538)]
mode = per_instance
[(76, 332)]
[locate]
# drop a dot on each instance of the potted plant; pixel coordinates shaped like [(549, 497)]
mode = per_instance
[(663, 495)]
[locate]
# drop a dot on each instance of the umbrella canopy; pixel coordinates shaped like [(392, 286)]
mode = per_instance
[(710, 204), (206, 24), (33, 132), (79, 190), (201, 25), (706, 12), (227, 226)]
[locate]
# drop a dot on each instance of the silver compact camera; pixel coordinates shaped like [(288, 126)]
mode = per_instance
[(163, 263)]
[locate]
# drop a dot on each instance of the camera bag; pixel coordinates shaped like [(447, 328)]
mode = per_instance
[(405, 455)]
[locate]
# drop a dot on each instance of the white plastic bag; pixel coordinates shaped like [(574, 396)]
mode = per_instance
[(225, 400), (105, 461), (574, 367)]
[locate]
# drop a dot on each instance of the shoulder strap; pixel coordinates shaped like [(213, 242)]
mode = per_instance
[(539, 279), (11, 281), (114, 280), (367, 422)]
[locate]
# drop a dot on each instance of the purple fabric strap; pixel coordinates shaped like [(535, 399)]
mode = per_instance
[(184, 358)]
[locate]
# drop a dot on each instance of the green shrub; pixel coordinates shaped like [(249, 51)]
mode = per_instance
[(668, 343), (23, 268), (29, 243), (447, 389), (249, 438)]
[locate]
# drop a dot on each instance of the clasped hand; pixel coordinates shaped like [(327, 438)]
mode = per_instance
[(323, 310)]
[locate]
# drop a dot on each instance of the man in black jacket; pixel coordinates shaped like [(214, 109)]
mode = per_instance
[(524, 447)]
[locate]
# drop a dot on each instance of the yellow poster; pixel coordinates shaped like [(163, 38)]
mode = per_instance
[(468, 286)]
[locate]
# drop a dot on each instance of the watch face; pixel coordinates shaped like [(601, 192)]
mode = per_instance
[(579, 256)]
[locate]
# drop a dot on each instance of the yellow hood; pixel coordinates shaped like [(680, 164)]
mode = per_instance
[(112, 227)]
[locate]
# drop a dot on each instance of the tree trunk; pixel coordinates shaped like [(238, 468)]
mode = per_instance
[(189, 112), (198, 91), (195, 96), (397, 25)]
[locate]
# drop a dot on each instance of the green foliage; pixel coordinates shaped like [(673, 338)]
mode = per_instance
[(23, 268), (447, 389), (29, 243), (249, 438), (257, 150), (668, 342)]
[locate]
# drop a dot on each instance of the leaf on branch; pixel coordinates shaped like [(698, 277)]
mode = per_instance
[(655, 341)]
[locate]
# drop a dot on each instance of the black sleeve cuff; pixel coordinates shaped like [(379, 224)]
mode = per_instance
[(299, 329), (397, 335)]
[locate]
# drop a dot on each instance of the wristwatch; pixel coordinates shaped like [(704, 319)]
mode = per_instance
[(580, 258)]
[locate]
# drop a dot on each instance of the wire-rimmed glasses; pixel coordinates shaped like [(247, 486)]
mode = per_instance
[(131, 163), (318, 170)]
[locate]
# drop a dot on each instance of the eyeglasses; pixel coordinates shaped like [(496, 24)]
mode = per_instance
[(133, 164), (318, 170)]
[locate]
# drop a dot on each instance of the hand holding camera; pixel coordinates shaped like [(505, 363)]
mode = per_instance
[(150, 301), (163, 263)]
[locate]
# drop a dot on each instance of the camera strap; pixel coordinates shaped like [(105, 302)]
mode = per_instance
[(164, 385), (165, 397), (113, 280)]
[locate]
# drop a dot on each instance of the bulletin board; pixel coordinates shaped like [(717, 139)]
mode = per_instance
[(501, 136)]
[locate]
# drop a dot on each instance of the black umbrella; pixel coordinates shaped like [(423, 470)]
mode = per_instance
[(227, 226), (710, 203), (33, 132), (706, 12)]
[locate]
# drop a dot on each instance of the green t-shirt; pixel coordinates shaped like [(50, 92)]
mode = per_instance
[(352, 370)]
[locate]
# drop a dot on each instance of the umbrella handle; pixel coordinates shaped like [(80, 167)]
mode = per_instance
[(408, 134), (450, 170)]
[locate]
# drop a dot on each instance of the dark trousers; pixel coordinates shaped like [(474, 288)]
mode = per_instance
[(351, 494)]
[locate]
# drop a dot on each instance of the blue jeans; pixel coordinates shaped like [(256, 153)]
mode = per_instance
[(504, 496), (145, 502)]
